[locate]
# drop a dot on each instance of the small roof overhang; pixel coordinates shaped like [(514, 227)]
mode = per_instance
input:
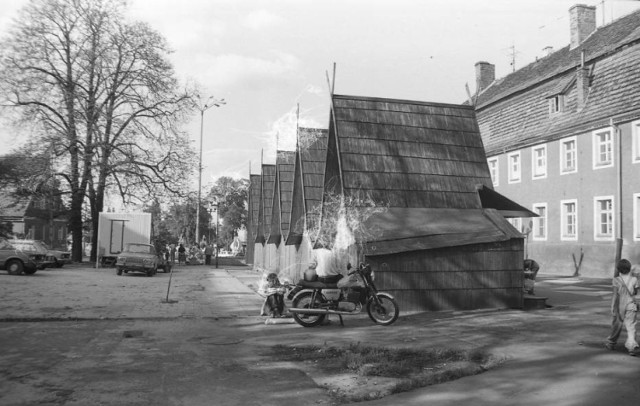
[(490, 199), (399, 230)]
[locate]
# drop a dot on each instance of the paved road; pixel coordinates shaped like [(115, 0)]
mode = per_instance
[(81, 336)]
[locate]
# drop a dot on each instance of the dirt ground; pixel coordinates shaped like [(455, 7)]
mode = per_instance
[(81, 336)]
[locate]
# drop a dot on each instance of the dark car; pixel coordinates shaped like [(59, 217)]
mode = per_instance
[(52, 258), (17, 261), (60, 257), (138, 257)]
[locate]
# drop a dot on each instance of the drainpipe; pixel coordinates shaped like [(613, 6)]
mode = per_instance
[(619, 241)]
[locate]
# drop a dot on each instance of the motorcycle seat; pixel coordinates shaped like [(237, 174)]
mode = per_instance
[(317, 285)]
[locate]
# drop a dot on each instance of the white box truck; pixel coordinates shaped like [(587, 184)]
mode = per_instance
[(116, 230)]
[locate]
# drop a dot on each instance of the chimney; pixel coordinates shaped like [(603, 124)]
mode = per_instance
[(485, 75), (583, 23), (582, 83)]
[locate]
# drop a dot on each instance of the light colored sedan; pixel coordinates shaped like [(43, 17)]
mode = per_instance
[(138, 257)]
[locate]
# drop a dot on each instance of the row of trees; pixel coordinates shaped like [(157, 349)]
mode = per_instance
[(99, 99), (179, 220)]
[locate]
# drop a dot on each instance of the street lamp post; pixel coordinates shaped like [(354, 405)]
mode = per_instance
[(213, 207), (211, 102)]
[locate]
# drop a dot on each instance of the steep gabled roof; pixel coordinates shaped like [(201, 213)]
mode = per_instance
[(401, 153), (255, 190), (513, 112), (308, 182), (283, 188), (266, 202)]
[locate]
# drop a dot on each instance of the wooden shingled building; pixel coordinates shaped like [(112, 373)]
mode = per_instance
[(433, 245), (281, 214), (307, 191), (265, 208), (255, 189)]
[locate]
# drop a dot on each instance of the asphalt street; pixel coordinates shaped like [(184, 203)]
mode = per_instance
[(83, 336)]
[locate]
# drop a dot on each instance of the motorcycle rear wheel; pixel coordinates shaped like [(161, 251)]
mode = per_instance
[(304, 301), (386, 313)]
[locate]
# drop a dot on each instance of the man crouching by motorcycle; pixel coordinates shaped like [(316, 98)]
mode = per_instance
[(326, 266)]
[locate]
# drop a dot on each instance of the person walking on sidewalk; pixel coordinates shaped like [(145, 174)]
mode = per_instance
[(208, 252), (624, 309)]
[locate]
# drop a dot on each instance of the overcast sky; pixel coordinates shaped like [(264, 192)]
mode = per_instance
[(266, 57)]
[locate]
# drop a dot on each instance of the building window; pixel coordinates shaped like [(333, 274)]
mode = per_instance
[(493, 170), (556, 104), (569, 220), (635, 134), (603, 218), (516, 222), (568, 156), (539, 162), (539, 232), (514, 167), (636, 216), (602, 149)]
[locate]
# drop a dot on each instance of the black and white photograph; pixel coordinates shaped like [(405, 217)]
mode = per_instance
[(319, 202)]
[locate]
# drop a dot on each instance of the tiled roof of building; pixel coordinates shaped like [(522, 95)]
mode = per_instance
[(514, 111), (12, 206)]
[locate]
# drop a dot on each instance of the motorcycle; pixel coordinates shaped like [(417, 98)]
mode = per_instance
[(313, 301)]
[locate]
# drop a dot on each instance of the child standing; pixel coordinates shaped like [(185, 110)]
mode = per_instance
[(624, 309)]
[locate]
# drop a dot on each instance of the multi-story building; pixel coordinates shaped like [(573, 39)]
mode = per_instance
[(562, 137)]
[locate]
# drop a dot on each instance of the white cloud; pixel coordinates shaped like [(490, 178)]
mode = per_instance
[(260, 19), (224, 71)]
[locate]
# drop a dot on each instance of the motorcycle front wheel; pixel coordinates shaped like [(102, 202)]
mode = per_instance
[(386, 312), (305, 301)]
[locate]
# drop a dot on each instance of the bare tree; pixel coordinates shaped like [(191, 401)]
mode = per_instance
[(103, 97)]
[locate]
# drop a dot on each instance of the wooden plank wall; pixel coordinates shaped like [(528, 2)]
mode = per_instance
[(258, 255), (454, 278), (271, 258)]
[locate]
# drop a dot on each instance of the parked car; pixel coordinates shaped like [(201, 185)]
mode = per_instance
[(16, 261), (34, 246), (138, 257), (60, 257)]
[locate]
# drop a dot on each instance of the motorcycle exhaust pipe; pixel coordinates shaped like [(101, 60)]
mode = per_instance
[(321, 311)]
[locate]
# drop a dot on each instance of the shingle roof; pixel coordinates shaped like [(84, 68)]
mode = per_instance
[(402, 153), (514, 111), (255, 189), (283, 188), (266, 206), (308, 182)]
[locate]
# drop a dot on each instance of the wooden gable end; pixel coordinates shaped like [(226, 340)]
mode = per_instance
[(266, 202), (307, 182), (282, 195), (408, 154)]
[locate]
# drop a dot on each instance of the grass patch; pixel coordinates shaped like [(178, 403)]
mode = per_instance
[(401, 369)]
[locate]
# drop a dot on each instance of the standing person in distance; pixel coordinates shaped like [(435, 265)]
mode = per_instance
[(624, 308)]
